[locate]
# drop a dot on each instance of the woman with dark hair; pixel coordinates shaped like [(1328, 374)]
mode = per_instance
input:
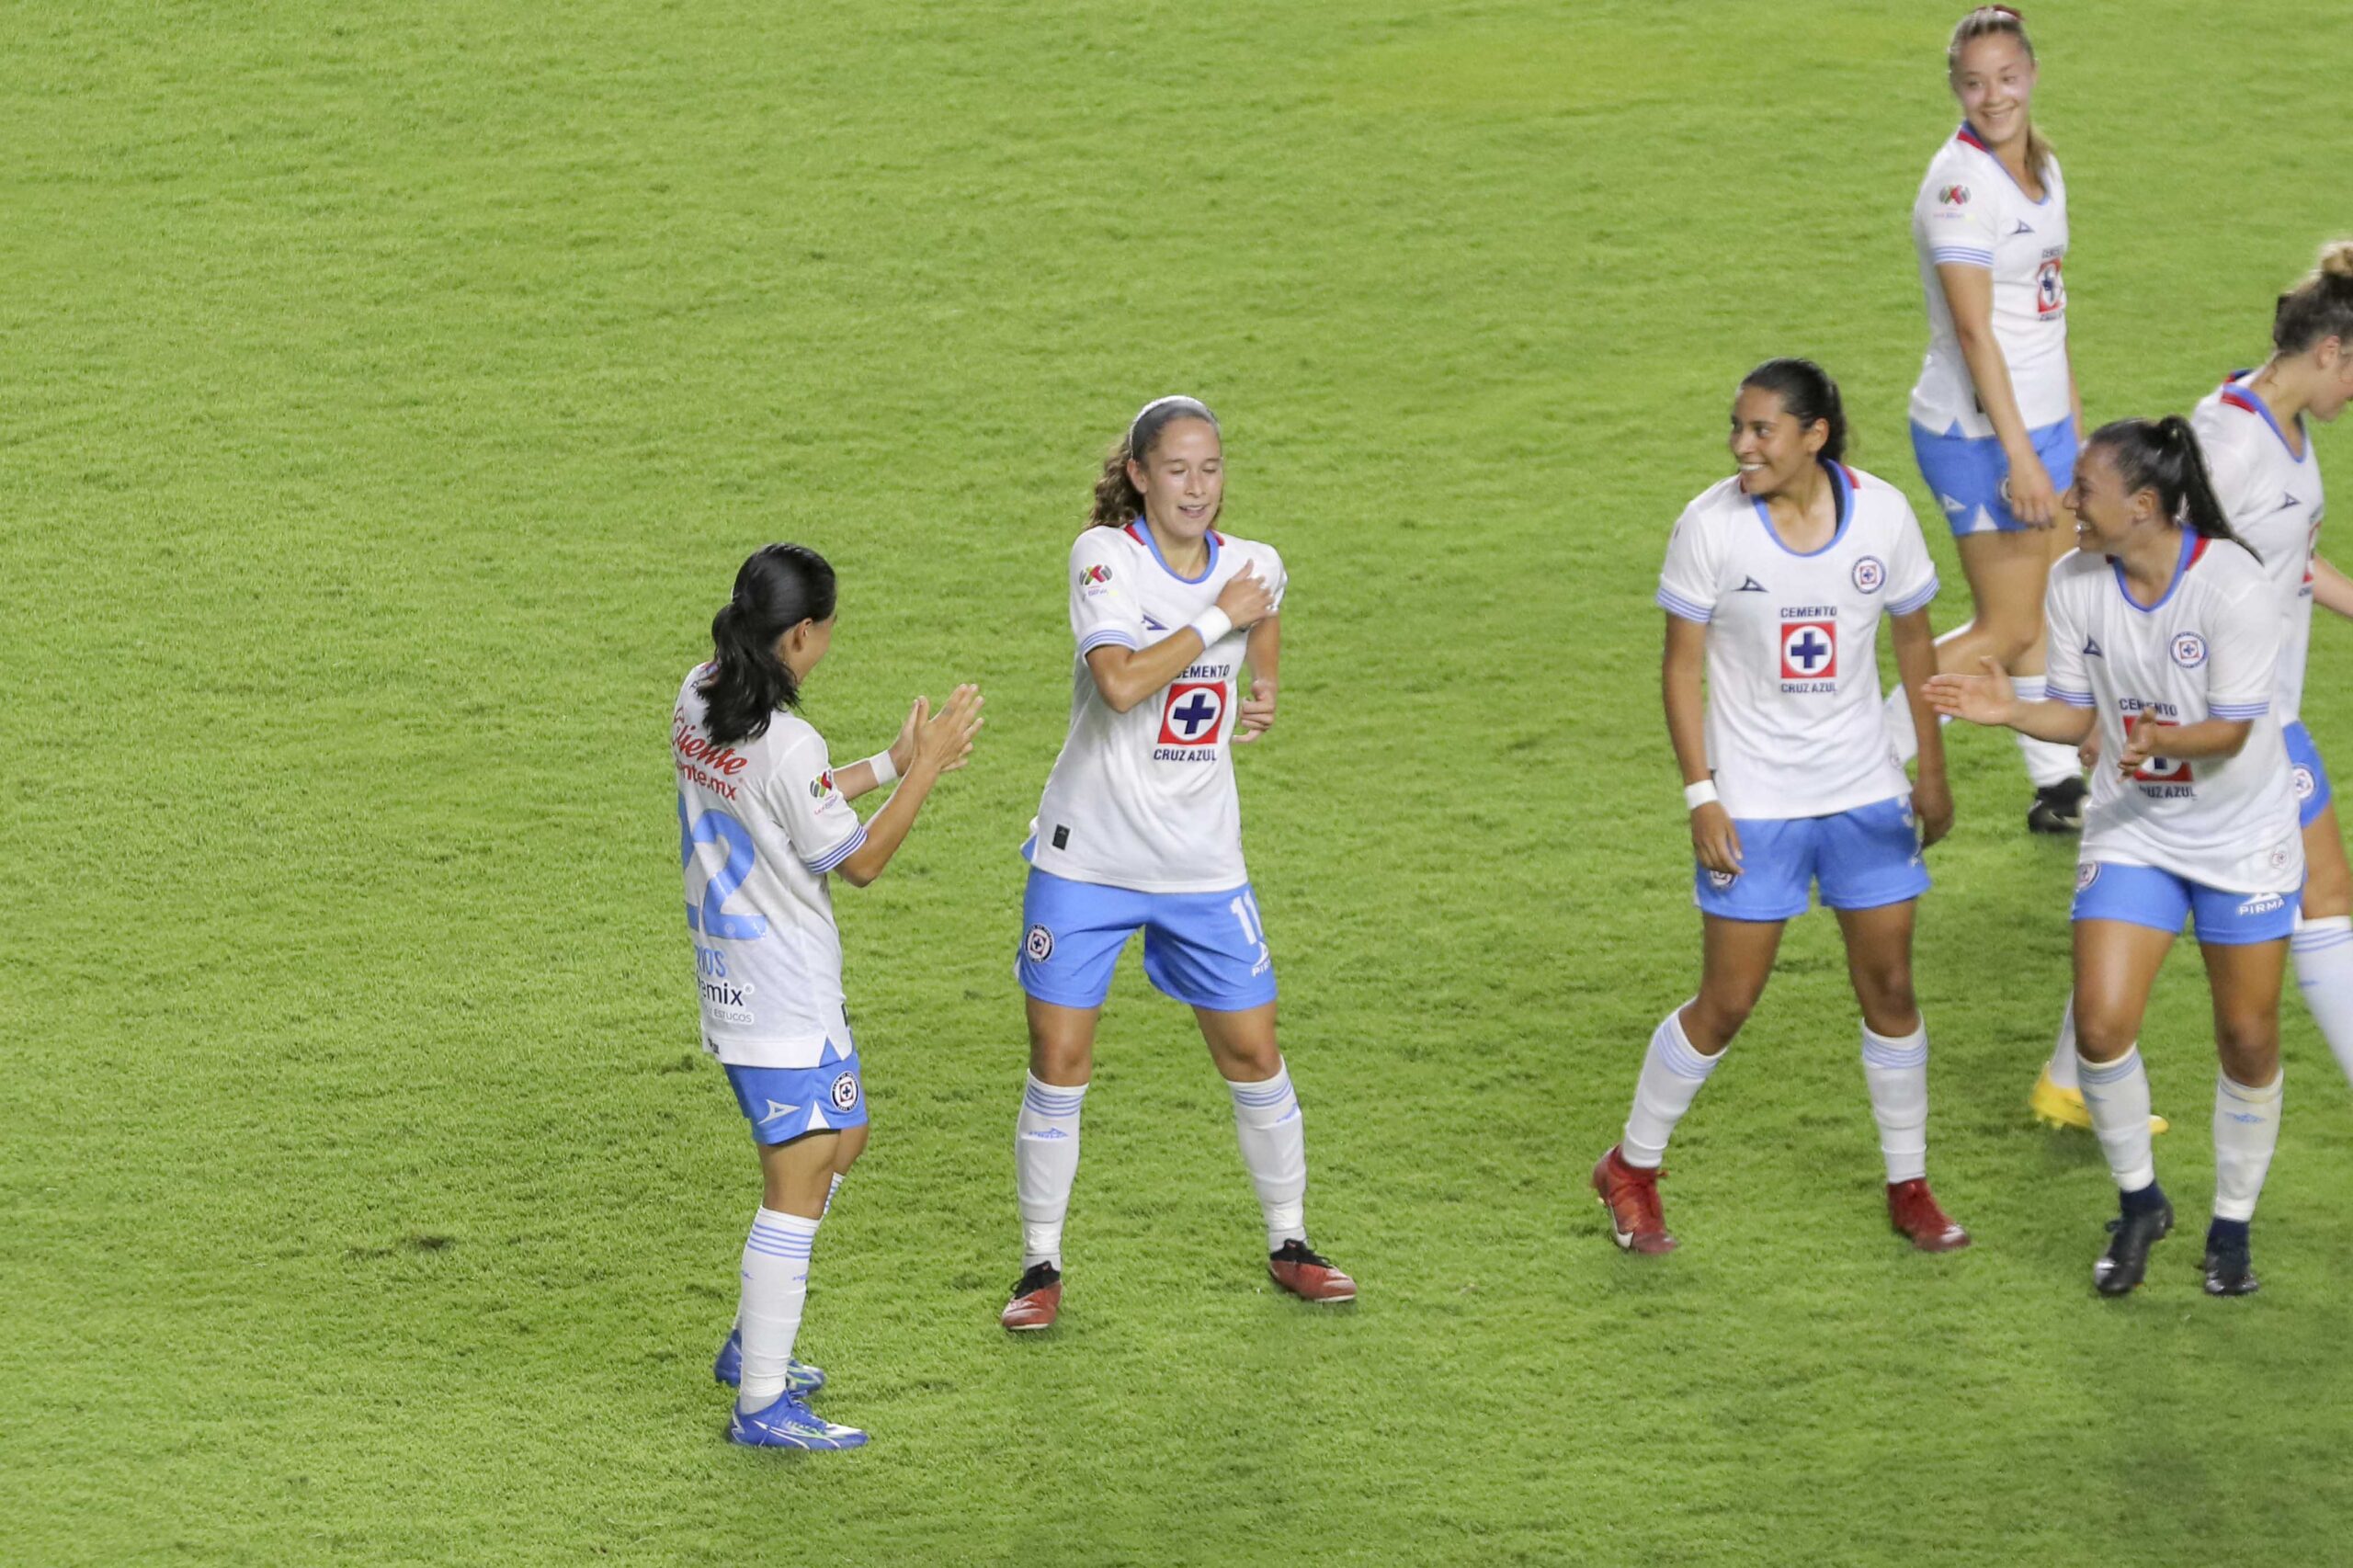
[(1775, 582), (2164, 639), (763, 816), (1141, 829), (1996, 416)]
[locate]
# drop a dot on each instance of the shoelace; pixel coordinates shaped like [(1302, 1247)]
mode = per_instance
[(1300, 1251)]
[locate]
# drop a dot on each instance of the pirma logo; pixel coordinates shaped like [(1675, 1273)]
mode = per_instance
[(821, 785), (1038, 944), (2086, 874), (2262, 903), (845, 1092), (2189, 650), (1869, 575), (1810, 650)]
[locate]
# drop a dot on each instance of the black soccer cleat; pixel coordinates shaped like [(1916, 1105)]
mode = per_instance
[(2058, 808), (2126, 1262), (2230, 1269)]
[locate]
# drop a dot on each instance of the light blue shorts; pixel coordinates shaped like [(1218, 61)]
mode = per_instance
[(2311, 775), (1970, 477), (785, 1103), (2143, 895), (1206, 948), (1861, 858)]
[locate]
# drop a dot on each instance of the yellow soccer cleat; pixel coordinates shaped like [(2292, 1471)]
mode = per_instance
[(2055, 1107)]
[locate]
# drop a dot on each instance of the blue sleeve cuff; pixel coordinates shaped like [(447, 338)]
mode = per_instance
[(1917, 601), (2238, 711), (1959, 255), (1677, 605), (2072, 698), (838, 853), (1107, 637)]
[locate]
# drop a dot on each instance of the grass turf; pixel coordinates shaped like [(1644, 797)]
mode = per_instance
[(392, 391)]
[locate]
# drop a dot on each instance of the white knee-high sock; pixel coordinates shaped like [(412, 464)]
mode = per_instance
[(2117, 1094), (1895, 1067), (1672, 1071), (2323, 950), (1045, 1165), (2062, 1055), (2246, 1130), (1273, 1135), (2046, 762), (775, 1286)]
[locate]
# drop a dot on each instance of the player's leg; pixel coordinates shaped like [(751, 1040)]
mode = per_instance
[(2243, 942), (2121, 939), (2057, 1099), (1271, 1131), (1071, 941), (2322, 945), (1873, 875)]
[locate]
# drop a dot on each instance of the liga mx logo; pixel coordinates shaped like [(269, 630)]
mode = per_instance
[(1810, 650), (2189, 650), (1038, 944), (1869, 575)]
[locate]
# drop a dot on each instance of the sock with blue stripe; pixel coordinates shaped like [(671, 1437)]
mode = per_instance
[(2246, 1130), (1045, 1166), (775, 1286), (1896, 1068), (1672, 1071), (2116, 1094), (2046, 762), (1273, 1135), (2322, 951)]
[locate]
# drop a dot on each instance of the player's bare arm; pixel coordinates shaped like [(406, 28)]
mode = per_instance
[(1915, 665), (1127, 676), (1264, 657)]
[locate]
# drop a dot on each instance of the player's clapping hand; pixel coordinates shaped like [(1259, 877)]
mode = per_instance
[(1985, 698), (2034, 500), (944, 740), (1245, 599), (1715, 840), (2139, 744), (1257, 712)]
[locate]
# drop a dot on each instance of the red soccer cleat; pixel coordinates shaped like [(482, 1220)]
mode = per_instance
[(1912, 1210), (1309, 1275), (1037, 1300), (1631, 1194)]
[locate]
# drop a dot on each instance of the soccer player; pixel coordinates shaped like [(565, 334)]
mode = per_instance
[(763, 817), (2252, 433), (1775, 584), (1996, 416), (2165, 635), (1141, 829)]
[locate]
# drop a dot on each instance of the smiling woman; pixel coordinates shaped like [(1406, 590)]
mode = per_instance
[(1775, 584)]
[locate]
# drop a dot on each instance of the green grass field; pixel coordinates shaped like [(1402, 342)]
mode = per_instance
[(391, 392)]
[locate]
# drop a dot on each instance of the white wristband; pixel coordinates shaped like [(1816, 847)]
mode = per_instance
[(885, 770), (1703, 793), (1210, 626)]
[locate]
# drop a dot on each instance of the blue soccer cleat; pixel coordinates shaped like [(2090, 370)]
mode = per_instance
[(789, 1424), (729, 1368)]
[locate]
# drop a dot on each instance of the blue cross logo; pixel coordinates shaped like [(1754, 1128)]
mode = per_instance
[(1808, 653), (1196, 714)]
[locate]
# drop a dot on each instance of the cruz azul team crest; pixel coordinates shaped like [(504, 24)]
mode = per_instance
[(1191, 718), (1810, 648)]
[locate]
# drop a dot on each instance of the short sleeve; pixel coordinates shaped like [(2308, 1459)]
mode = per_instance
[(2069, 677), (2242, 654), (1687, 586), (1957, 220), (810, 807), (1270, 563), (1912, 576), (1103, 612)]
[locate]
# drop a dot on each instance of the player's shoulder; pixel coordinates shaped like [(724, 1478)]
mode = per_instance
[(1872, 490), (2080, 572), (2227, 569), (2229, 417), (1721, 502), (1235, 548), (1102, 546), (1958, 174), (690, 688)]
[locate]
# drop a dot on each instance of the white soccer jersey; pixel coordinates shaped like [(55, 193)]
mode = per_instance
[(2207, 649), (1794, 723), (2273, 499), (1145, 798), (1969, 213), (760, 822)]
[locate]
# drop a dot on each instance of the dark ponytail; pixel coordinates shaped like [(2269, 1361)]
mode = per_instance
[(2162, 455), (780, 586), (1808, 395), (1117, 502)]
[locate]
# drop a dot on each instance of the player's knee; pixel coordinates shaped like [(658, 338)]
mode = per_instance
[(1061, 1057), (2013, 637), (2249, 1045), (1713, 1018), (1888, 1003), (2101, 1036)]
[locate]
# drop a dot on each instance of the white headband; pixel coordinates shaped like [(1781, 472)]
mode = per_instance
[(1192, 405)]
